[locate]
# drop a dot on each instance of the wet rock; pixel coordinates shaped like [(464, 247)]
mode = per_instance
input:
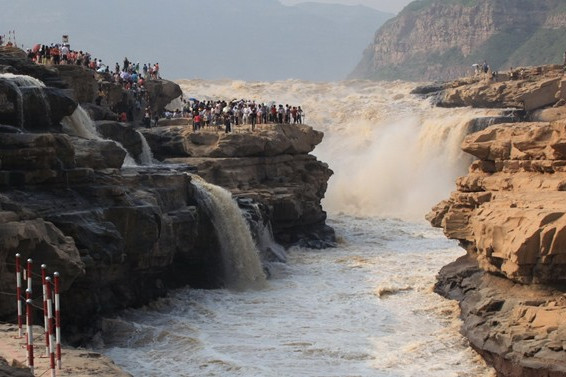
[(124, 134), (516, 328), (80, 80), (161, 93), (98, 154)]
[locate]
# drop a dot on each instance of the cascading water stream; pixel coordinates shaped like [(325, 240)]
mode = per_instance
[(21, 84), (365, 308), (146, 156), (80, 124), (242, 266), (270, 250), (392, 153)]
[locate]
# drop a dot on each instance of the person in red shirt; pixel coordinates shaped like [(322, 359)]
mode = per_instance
[(196, 121)]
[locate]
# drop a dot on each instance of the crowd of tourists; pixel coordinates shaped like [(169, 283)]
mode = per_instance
[(130, 75), (202, 114), (56, 54), (220, 113)]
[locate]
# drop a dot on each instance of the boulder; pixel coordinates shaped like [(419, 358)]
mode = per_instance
[(80, 80), (161, 93), (124, 134), (98, 154), (43, 242)]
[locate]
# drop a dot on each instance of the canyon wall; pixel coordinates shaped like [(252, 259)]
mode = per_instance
[(119, 236), (509, 214), (441, 39)]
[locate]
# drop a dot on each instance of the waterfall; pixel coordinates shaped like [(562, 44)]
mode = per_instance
[(21, 84), (392, 153), (23, 80), (242, 266), (80, 124), (270, 251), (146, 157)]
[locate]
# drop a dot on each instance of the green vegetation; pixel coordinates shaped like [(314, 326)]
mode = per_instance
[(515, 26), (545, 46), (498, 48), (417, 5)]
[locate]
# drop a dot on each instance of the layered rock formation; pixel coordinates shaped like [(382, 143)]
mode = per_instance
[(272, 166), (123, 236), (440, 40), (509, 215)]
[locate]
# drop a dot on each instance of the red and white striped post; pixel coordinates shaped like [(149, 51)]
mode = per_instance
[(30, 262), (19, 295), (28, 292), (57, 319), (50, 321), (45, 325), (29, 315)]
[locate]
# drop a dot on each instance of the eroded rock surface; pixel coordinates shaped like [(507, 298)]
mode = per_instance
[(121, 237), (509, 213), (518, 329), (271, 166)]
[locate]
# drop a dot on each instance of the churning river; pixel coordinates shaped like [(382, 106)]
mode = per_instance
[(365, 308)]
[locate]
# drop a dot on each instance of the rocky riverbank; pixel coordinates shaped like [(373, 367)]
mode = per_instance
[(118, 236), (509, 215)]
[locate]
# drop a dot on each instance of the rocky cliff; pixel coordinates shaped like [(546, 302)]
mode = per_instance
[(122, 236), (272, 166), (441, 39), (509, 215)]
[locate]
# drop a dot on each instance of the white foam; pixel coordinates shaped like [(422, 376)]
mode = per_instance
[(392, 153), (242, 266), (320, 316)]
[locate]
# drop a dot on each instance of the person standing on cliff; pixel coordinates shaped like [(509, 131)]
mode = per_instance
[(196, 121), (253, 117), (227, 122)]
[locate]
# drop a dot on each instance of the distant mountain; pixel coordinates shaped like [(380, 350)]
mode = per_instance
[(441, 39), (237, 39)]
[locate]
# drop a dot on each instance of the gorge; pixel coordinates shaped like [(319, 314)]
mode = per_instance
[(124, 236), (121, 236)]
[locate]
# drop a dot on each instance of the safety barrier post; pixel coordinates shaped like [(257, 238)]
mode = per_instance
[(19, 295), (29, 316), (50, 321), (30, 262), (28, 290), (57, 319), (45, 326)]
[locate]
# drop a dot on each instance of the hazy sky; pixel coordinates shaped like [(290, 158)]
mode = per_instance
[(391, 6), (236, 39)]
